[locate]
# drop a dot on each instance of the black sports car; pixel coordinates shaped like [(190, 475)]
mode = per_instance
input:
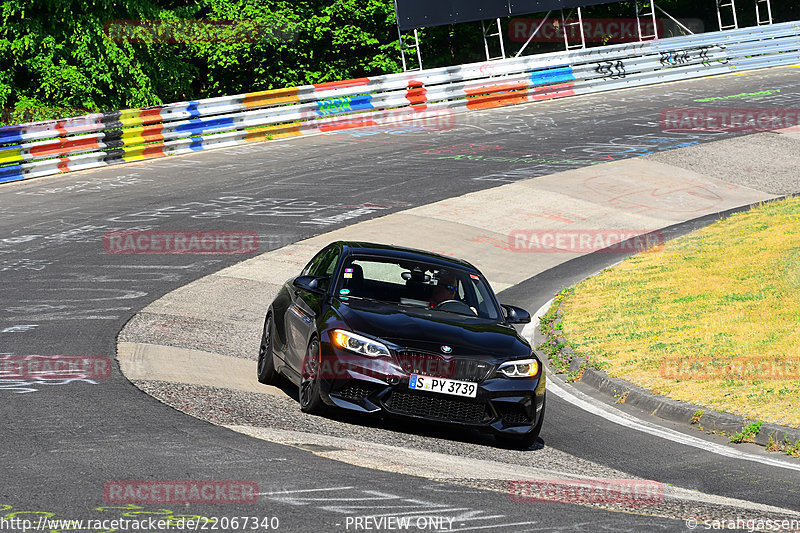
[(405, 333)]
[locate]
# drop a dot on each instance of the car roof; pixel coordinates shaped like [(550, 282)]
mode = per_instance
[(401, 252)]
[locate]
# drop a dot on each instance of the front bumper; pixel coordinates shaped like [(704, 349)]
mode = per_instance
[(509, 406)]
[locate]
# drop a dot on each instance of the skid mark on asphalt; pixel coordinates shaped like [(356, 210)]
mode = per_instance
[(376, 510), (370, 506)]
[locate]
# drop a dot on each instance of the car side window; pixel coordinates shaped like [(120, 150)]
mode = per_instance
[(326, 267), (331, 264), (312, 265)]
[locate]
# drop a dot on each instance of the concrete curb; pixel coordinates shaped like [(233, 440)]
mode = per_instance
[(678, 411)]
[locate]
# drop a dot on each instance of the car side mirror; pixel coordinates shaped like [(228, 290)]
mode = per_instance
[(516, 315), (309, 283)]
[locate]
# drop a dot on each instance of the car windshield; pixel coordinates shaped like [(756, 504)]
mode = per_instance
[(416, 284)]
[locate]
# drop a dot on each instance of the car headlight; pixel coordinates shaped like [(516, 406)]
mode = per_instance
[(524, 368), (357, 343)]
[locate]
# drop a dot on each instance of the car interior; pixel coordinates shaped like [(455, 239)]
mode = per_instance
[(411, 284)]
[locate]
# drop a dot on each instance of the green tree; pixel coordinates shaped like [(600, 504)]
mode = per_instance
[(56, 54), (59, 56)]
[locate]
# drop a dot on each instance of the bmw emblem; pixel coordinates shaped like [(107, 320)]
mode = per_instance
[(446, 349)]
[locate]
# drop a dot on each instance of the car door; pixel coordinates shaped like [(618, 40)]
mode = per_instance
[(306, 306), (282, 306)]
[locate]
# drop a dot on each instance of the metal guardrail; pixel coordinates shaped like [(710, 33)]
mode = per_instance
[(50, 147)]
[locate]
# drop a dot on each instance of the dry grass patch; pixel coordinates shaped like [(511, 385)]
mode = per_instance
[(704, 303)]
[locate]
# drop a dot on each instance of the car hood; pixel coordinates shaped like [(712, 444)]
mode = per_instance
[(429, 330)]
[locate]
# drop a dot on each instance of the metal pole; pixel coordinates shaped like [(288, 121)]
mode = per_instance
[(416, 43), (485, 42), (402, 52), (638, 20), (400, 37), (652, 15), (676, 21), (539, 27), (653, 7), (500, 34), (732, 5), (580, 25), (758, 13)]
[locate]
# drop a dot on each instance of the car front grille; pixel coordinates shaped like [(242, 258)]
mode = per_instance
[(431, 364), (447, 409), (513, 414)]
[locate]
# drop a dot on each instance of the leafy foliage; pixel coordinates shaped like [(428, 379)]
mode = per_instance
[(62, 58), (59, 57)]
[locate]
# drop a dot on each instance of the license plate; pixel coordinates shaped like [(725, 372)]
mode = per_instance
[(443, 385)]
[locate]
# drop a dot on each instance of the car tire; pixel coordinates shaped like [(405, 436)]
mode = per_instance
[(309, 393), (529, 439), (266, 360)]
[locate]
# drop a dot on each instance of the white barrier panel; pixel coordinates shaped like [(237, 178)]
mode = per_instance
[(45, 148)]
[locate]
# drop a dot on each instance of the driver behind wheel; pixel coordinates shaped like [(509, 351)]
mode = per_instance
[(445, 288)]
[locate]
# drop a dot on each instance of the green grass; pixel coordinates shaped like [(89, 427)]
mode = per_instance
[(705, 302)]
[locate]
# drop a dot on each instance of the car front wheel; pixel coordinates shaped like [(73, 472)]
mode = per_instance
[(310, 398), (266, 362)]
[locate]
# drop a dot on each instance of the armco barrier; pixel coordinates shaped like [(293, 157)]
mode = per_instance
[(44, 148)]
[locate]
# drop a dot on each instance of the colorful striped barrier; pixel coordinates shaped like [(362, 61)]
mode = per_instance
[(100, 139)]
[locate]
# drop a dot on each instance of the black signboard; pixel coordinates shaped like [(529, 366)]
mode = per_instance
[(525, 7), (413, 14)]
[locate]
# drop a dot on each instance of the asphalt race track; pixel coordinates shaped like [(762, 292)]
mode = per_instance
[(63, 294)]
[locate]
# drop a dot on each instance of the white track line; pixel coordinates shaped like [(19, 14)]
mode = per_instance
[(590, 405)]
